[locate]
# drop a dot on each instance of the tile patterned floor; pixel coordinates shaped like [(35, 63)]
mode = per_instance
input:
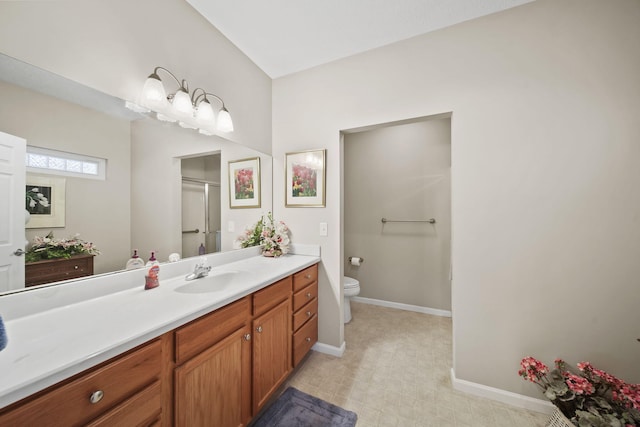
[(396, 372)]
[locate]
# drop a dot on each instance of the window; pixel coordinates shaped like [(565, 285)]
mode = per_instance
[(43, 160)]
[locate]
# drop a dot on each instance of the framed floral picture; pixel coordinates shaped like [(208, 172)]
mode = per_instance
[(45, 201), (305, 178), (244, 183)]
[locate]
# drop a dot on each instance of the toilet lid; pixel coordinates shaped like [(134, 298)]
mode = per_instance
[(349, 282)]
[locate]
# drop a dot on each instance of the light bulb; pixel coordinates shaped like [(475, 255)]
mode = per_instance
[(225, 124)]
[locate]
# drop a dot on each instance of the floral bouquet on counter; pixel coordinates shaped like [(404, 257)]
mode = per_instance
[(272, 236), (590, 397), (50, 248)]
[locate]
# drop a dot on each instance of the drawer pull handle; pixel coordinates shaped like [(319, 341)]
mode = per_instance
[(308, 314), (259, 329), (308, 276), (247, 337), (309, 295), (96, 396), (308, 339)]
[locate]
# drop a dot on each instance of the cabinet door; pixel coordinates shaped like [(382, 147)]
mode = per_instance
[(271, 352), (214, 388)]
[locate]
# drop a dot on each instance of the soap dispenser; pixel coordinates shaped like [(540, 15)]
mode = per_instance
[(135, 261), (201, 249), (152, 260)]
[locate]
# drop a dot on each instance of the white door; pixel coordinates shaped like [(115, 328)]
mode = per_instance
[(12, 211)]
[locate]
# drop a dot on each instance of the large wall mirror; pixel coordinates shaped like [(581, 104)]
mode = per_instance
[(161, 184)]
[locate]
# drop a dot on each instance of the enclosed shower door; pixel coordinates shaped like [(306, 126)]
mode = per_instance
[(200, 216)]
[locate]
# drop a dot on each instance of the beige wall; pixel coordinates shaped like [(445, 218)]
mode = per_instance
[(545, 206), (97, 210), (400, 172), (114, 45), (156, 185)]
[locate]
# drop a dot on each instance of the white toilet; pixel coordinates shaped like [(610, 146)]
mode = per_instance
[(351, 289)]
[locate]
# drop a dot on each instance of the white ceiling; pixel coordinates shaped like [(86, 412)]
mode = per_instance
[(285, 36)]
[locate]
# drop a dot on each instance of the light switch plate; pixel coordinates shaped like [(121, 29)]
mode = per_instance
[(324, 229), (231, 226)]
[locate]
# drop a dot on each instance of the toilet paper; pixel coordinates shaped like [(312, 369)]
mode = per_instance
[(355, 261)]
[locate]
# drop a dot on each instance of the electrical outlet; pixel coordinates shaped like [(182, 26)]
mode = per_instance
[(231, 226), (324, 229)]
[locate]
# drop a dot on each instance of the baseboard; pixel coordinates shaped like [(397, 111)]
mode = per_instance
[(329, 349), (513, 399), (400, 306)]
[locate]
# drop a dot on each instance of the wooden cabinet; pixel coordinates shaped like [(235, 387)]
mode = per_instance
[(305, 312), (55, 270), (112, 391), (213, 377), (272, 340), (218, 370)]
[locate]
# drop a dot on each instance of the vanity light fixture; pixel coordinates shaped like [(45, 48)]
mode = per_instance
[(191, 111)]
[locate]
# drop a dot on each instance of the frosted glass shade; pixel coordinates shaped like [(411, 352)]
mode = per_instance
[(224, 121), (204, 113), (182, 103), (153, 94)]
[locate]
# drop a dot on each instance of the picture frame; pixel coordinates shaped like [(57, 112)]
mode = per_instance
[(305, 179), (45, 201), (244, 183)]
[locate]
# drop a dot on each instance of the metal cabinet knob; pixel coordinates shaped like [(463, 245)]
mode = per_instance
[(308, 276), (259, 329), (308, 339), (96, 396), (308, 314), (75, 267), (309, 295), (247, 337)]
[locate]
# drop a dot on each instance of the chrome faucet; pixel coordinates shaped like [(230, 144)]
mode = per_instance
[(200, 270)]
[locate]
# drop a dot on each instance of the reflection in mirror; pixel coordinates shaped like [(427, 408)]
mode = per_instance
[(141, 203)]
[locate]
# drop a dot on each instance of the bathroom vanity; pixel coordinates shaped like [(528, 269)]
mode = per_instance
[(213, 358)]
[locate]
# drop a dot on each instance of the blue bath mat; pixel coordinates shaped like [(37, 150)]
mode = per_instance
[(297, 409)]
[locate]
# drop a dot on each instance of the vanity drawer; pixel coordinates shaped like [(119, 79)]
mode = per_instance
[(202, 333), (304, 339), (142, 409), (305, 277), (304, 314), (271, 296), (69, 404), (305, 295)]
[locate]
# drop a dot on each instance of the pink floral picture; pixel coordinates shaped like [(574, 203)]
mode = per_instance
[(305, 179), (244, 183)]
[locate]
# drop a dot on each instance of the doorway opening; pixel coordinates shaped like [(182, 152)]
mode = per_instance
[(201, 205)]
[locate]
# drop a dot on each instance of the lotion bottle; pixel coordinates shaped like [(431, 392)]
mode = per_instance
[(152, 260), (135, 261)]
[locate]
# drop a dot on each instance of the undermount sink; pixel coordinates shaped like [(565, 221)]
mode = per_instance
[(216, 281)]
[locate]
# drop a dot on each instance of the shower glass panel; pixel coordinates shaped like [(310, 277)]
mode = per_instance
[(199, 201)]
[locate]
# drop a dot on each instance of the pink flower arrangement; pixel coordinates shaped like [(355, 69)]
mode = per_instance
[(590, 397), (272, 236), (49, 247)]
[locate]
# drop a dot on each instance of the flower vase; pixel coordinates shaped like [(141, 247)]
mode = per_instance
[(558, 419)]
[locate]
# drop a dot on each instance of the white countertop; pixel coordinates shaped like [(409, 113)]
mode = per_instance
[(53, 333)]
